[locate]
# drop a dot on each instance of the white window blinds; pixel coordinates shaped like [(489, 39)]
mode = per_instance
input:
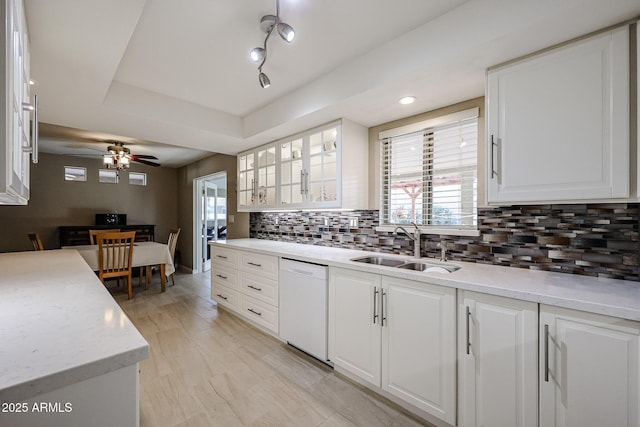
[(429, 176)]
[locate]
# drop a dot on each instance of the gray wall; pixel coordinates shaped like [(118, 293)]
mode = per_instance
[(235, 230), (56, 202)]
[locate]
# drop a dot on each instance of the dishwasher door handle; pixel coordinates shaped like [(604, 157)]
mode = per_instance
[(293, 270)]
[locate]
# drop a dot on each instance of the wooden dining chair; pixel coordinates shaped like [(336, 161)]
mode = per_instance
[(94, 233), (115, 251), (174, 233), (36, 242)]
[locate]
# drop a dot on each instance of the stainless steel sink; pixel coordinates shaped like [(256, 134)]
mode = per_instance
[(423, 266), (378, 260), (407, 265)]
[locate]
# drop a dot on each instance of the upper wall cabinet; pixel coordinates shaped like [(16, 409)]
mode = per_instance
[(306, 171), (558, 124), (14, 155)]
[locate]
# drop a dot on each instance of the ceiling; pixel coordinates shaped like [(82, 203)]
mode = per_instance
[(175, 77)]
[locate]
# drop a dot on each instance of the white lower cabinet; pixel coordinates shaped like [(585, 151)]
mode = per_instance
[(497, 361), (588, 369), (397, 335), (246, 283)]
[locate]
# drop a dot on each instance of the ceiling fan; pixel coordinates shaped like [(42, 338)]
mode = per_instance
[(119, 157)]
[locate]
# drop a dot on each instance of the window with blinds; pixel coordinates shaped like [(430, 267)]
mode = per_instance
[(429, 176)]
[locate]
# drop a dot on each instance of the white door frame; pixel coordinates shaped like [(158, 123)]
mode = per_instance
[(198, 185)]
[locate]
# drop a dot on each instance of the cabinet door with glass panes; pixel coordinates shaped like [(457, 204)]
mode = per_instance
[(246, 180), (322, 186), (292, 173)]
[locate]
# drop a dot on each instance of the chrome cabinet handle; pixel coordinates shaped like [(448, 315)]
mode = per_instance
[(384, 315), (253, 287), (33, 149), (546, 353), (221, 276), (301, 182), (375, 304), (222, 296), (254, 312), (221, 256), (494, 172), (254, 264), (468, 337)]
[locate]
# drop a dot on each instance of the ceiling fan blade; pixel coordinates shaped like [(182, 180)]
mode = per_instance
[(144, 156), (146, 162)]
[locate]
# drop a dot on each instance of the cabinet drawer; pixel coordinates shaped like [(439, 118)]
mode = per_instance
[(260, 288), (226, 297), (224, 256), (260, 312), (264, 265), (224, 276)]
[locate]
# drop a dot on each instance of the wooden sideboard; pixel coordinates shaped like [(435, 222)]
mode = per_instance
[(79, 234)]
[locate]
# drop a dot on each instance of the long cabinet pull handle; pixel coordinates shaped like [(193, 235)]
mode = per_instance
[(494, 172), (546, 353), (382, 313), (222, 296), (33, 149), (254, 312), (468, 336), (375, 304), (221, 256), (254, 264), (302, 182), (253, 287), (221, 276)]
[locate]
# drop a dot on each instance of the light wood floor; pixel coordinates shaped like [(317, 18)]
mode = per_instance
[(208, 368)]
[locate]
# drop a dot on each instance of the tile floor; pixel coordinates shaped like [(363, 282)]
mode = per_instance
[(209, 368)]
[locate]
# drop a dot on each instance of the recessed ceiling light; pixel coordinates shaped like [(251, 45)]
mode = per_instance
[(407, 100)]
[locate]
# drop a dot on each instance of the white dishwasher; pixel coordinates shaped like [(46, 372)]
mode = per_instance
[(303, 306)]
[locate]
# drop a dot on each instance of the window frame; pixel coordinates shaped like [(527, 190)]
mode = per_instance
[(427, 128)]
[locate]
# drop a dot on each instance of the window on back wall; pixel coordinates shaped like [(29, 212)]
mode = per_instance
[(428, 173)]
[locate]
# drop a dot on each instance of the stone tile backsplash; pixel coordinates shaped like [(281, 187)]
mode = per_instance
[(589, 239)]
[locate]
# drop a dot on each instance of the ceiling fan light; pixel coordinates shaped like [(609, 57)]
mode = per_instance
[(108, 159), (257, 54), (286, 32), (264, 80)]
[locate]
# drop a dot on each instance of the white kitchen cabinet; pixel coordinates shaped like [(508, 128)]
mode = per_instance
[(589, 369), (419, 345), (14, 158), (246, 283), (396, 335), (497, 361), (558, 124), (307, 171), (355, 336)]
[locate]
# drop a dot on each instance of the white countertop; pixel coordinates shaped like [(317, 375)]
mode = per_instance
[(619, 298), (58, 325)]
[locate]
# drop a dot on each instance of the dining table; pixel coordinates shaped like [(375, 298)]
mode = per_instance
[(145, 254)]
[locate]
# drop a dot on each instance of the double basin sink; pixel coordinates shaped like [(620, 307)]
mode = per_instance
[(407, 265)]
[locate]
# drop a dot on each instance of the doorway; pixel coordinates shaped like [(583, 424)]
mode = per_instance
[(210, 217)]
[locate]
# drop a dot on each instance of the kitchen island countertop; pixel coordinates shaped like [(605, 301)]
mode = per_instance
[(58, 325), (612, 297)]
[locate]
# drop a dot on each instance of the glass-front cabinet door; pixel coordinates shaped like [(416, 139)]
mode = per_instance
[(246, 181), (323, 166), (266, 184), (292, 173)]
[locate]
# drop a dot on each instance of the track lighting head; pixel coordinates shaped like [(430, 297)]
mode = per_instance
[(264, 80), (257, 54), (286, 32)]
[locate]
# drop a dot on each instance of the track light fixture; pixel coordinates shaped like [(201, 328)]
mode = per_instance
[(259, 54)]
